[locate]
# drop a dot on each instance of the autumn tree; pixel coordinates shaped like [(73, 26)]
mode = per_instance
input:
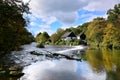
[(60, 32), (54, 38), (94, 31), (112, 31), (109, 35)]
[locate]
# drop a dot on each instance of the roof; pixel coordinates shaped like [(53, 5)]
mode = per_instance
[(82, 33), (69, 34)]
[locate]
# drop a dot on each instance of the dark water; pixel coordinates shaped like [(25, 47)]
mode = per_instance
[(100, 64)]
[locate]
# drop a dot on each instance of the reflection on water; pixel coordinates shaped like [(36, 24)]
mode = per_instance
[(105, 60), (98, 64), (49, 70), (60, 70)]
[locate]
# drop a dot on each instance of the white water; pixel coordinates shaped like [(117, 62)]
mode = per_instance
[(71, 49), (32, 47), (25, 58), (44, 68)]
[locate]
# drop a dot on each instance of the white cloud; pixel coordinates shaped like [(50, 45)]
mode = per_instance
[(63, 10), (90, 17), (33, 23), (48, 20), (43, 28), (101, 5)]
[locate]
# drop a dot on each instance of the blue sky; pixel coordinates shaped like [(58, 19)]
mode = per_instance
[(50, 15)]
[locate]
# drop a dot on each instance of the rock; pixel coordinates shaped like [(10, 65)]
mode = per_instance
[(13, 69), (40, 45), (16, 74)]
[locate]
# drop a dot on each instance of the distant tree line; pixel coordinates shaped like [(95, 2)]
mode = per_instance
[(99, 32), (13, 33)]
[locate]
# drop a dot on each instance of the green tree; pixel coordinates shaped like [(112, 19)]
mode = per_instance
[(83, 27), (114, 14), (42, 37), (12, 25)]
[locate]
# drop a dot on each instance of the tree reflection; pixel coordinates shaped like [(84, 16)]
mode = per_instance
[(95, 59), (105, 60)]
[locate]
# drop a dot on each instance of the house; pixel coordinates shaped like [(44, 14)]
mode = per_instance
[(81, 36), (69, 36)]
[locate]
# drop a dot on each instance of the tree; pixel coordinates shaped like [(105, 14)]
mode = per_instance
[(60, 32), (83, 27), (95, 31), (111, 36), (114, 14), (42, 37), (12, 25), (112, 31), (54, 38)]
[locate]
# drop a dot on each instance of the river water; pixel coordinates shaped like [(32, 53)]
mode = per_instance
[(100, 64)]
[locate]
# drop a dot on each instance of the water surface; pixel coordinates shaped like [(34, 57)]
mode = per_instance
[(100, 64)]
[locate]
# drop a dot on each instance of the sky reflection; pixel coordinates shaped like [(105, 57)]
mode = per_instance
[(60, 70)]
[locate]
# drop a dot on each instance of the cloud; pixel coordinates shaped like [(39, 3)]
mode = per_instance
[(32, 24), (64, 11), (67, 18), (90, 17), (36, 28), (49, 20), (43, 28), (101, 5)]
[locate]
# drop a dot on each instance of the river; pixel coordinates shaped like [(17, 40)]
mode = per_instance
[(71, 63)]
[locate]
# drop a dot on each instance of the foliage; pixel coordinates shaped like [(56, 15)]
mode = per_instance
[(42, 37), (60, 32), (112, 31), (54, 38), (105, 32), (83, 27), (114, 14), (95, 30), (12, 25)]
